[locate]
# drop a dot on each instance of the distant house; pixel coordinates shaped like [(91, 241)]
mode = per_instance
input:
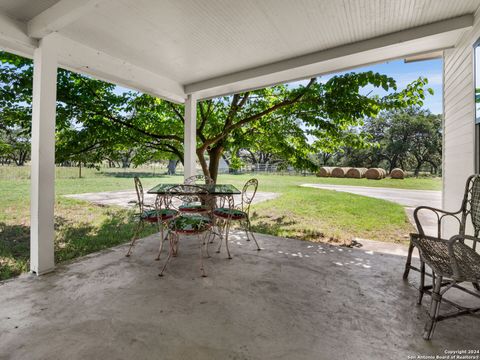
[(223, 166)]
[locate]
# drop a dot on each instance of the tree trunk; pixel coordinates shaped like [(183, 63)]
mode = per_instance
[(172, 166), (417, 168), (125, 162), (22, 157), (434, 168), (417, 171), (203, 161), (79, 169), (393, 163), (215, 156), (326, 157)]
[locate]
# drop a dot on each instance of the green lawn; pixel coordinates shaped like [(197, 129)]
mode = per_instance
[(304, 213), (81, 228)]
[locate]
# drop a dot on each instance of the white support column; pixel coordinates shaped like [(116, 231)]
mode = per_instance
[(42, 189), (190, 136)]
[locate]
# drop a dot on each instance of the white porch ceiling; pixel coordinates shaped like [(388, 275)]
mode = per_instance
[(171, 48)]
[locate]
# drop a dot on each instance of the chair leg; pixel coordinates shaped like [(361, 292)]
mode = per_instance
[(409, 261), (211, 237), (249, 231), (245, 226), (434, 309), (206, 238), (202, 244), (220, 228), (170, 252), (138, 229), (163, 237), (175, 245), (422, 282), (227, 230)]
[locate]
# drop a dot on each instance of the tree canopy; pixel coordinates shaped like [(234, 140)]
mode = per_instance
[(95, 121), (409, 138)]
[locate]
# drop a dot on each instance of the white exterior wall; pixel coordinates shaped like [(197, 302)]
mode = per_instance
[(459, 113)]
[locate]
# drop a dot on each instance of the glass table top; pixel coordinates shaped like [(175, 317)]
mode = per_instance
[(215, 189)]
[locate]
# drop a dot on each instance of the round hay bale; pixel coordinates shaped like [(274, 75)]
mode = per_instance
[(375, 173), (340, 172), (325, 171), (397, 173), (356, 173), (384, 173)]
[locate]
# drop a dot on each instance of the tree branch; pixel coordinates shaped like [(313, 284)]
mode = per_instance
[(203, 117), (228, 129), (178, 113), (124, 123)]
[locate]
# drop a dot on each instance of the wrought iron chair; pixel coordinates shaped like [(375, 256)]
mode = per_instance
[(186, 224), (452, 261), (193, 205), (149, 214), (225, 215), (196, 179)]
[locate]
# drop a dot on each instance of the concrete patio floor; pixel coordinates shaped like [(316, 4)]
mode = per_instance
[(292, 300)]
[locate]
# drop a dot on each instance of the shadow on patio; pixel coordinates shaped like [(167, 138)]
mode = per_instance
[(293, 300)]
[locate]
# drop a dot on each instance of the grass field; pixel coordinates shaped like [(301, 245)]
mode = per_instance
[(304, 213)]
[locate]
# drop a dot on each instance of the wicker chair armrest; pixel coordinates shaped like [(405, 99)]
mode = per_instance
[(441, 214), (417, 238), (453, 259), (461, 238), (451, 254)]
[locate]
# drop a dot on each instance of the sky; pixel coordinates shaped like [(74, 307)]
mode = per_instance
[(404, 73)]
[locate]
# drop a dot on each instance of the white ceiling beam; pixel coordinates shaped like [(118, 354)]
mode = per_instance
[(82, 59), (14, 38), (58, 16), (288, 70), (424, 56)]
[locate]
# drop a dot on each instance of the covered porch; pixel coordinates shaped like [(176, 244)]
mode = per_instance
[(186, 51), (294, 300)]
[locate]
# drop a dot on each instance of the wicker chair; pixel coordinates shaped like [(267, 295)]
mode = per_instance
[(186, 223), (452, 261), (225, 215), (151, 215)]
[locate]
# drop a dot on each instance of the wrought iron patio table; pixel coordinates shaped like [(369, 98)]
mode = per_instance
[(215, 191), (222, 191)]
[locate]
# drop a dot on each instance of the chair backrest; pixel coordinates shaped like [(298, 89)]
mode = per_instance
[(248, 193), (471, 204), (185, 194), (139, 190), (195, 179)]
